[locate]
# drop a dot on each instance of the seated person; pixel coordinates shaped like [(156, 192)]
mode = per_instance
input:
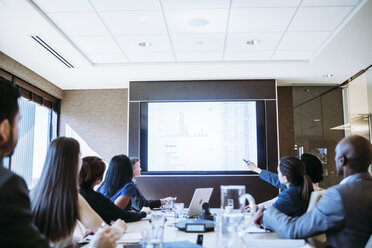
[(55, 201), (91, 174), (118, 185), (314, 169), (138, 200), (344, 212), (295, 185), (17, 228)]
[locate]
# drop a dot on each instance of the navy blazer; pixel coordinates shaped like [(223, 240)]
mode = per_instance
[(139, 201), (343, 214), (290, 199)]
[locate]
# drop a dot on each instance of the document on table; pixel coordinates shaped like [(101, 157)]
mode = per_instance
[(130, 237), (274, 243), (254, 229)]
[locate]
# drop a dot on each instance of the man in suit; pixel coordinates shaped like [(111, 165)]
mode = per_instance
[(139, 201), (17, 228), (16, 222), (344, 212)]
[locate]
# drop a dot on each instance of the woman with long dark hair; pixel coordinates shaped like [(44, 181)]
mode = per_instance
[(56, 204), (91, 174), (296, 186), (118, 185)]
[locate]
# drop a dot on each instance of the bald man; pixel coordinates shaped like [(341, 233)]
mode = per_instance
[(344, 213)]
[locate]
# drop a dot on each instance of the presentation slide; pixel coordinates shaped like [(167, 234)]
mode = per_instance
[(201, 136)]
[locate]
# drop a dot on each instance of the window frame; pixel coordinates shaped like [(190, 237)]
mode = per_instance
[(34, 94)]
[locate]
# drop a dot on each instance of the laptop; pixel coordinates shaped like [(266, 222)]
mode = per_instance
[(200, 196)]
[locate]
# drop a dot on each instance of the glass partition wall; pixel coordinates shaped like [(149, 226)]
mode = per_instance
[(317, 115)]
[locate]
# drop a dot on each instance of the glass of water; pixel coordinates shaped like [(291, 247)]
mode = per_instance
[(157, 228), (168, 205), (178, 210)]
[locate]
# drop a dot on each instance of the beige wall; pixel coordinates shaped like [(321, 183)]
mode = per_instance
[(19, 70), (99, 117)]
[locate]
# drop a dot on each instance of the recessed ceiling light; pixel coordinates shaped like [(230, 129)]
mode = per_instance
[(144, 44), (199, 43), (253, 42), (200, 22), (328, 75)]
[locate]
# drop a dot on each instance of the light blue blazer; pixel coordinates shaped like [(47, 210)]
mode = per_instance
[(344, 214)]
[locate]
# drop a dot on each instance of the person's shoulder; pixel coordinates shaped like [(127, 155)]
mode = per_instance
[(10, 181), (129, 187), (286, 194)]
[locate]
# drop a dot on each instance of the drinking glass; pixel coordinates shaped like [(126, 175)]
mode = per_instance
[(155, 234), (168, 205), (230, 222), (178, 210)]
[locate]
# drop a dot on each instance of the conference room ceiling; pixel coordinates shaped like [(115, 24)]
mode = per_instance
[(111, 42)]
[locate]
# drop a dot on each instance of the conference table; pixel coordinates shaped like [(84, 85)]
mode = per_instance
[(210, 239)]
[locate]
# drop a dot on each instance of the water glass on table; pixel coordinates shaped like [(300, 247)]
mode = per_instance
[(168, 205), (153, 237), (178, 210)]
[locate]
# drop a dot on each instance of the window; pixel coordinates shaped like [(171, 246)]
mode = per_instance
[(37, 127), (36, 130)]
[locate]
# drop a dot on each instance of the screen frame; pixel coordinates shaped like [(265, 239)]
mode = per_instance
[(261, 140)]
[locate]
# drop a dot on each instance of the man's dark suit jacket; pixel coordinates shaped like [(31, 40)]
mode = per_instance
[(16, 222), (139, 201)]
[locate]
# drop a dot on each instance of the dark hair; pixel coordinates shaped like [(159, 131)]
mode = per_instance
[(134, 160), (294, 170), (55, 197), (91, 170), (118, 174), (8, 101), (314, 168)]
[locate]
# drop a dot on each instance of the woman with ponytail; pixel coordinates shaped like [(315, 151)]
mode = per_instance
[(296, 186)]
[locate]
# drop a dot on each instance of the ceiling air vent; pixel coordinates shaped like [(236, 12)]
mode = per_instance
[(51, 50)]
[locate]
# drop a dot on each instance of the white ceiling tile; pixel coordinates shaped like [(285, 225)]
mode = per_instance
[(196, 4), (158, 43), (293, 55), (96, 44), (238, 41), (318, 18), (260, 19), (178, 21), (104, 58), (134, 22), (79, 23), (302, 40), (265, 3), (199, 56), (64, 6), (120, 5), (198, 42), (150, 57), (251, 55), (329, 2)]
